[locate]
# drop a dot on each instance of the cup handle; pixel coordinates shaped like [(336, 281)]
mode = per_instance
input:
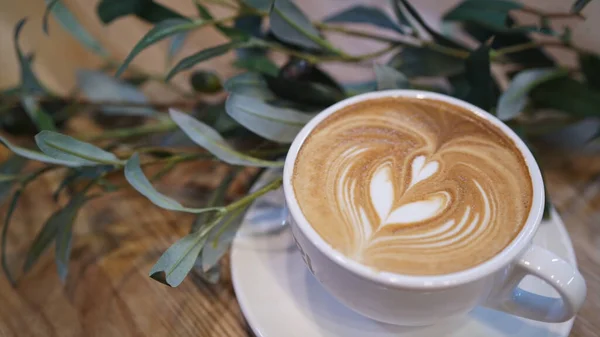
[(558, 273)]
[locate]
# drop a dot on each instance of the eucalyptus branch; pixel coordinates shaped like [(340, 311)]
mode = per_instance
[(275, 184)]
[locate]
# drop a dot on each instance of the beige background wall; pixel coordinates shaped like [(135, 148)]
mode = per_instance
[(59, 55)]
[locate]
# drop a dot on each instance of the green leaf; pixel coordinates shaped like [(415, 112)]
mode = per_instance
[(67, 148), (364, 14), (261, 5), (204, 55), (491, 13), (514, 99), (479, 77), (87, 172), (217, 198), (401, 13), (34, 155), (159, 32), (252, 26), (175, 263), (389, 78), (276, 124), (70, 23), (579, 5), (40, 118), (257, 63), (10, 167), (567, 95), (574, 136), (357, 88), (590, 66), (232, 33), (9, 212), (249, 84), (291, 25), (136, 178), (64, 219), (29, 82), (212, 141), (413, 62), (99, 87), (147, 10)]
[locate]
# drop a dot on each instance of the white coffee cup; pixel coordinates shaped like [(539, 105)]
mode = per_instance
[(422, 300)]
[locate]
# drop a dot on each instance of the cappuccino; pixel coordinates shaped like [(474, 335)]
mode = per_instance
[(412, 186)]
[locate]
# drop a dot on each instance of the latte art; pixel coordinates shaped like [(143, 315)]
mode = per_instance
[(412, 186)]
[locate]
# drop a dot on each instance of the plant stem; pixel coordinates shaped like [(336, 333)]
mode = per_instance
[(551, 15), (221, 3), (251, 197), (132, 132), (531, 45)]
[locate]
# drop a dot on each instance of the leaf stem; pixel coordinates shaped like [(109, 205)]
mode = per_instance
[(251, 197), (551, 15)]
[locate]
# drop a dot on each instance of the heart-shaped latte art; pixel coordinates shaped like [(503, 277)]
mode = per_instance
[(412, 186)]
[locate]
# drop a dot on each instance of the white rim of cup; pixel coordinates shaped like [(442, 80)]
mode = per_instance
[(501, 260)]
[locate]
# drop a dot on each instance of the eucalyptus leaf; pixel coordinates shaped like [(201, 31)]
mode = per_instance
[(76, 174), (251, 25), (38, 115), (212, 141), (590, 66), (232, 33), (217, 197), (136, 178), (514, 99), (356, 88), (257, 63), (175, 263), (389, 78), (29, 82), (291, 25), (416, 61), (491, 13), (204, 55), (249, 84), (70, 23), (35, 155), (67, 148), (479, 77), (159, 32), (575, 135), (11, 166), (276, 124), (579, 5), (567, 95), (99, 87), (364, 14), (64, 219)]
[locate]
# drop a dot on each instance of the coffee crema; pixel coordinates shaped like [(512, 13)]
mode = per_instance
[(412, 186)]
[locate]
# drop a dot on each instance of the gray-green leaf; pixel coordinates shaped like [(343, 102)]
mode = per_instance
[(579, 5), (71, 25), (99, 87), (40, 118), (414, 61), (136, 178), (212, 141), (63, 217), (220, 238), (291, 25), (513, 100), (491, 13), (67, 148), (204, 55), (273, 123), (389, 78), (161, 31), (364, 14), (261, 5), (29, 82), (249, 84), (34, 155), (174, 265), (258, 63), (10, 167)]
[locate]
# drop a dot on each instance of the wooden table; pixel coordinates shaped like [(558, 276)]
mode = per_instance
[(119, 237)]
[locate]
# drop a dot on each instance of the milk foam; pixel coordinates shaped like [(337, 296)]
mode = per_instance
[(412, 186)]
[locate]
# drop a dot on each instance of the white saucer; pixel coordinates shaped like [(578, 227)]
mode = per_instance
[(281, 298)]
